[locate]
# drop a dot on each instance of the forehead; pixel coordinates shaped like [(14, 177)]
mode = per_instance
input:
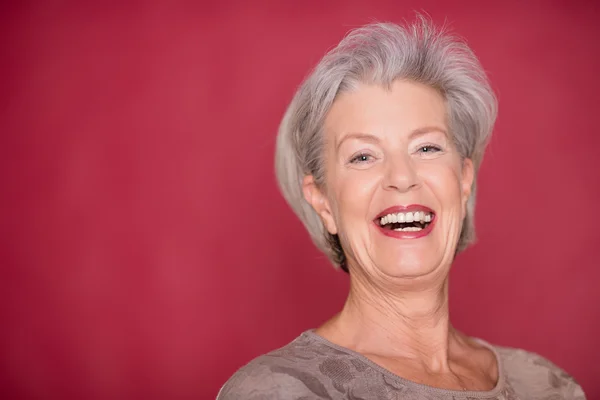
[(401, 109)]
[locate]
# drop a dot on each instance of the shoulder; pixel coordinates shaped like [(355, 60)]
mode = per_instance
[(292, 371), (260, 380), (532, 375)]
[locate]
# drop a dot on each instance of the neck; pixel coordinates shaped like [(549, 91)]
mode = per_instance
[(406, 323)]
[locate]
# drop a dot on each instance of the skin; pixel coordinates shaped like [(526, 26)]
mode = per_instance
[(386, 147)]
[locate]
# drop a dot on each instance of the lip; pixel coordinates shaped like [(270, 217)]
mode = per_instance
[(406, 235)]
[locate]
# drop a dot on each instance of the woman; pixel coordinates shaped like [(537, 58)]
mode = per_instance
[(378, 155)]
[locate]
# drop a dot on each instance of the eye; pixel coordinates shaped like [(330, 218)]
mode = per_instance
[(361, 158), (429, 149)]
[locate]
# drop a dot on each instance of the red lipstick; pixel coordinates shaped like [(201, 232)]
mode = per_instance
[(402, 234)]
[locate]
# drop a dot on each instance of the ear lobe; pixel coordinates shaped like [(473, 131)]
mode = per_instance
[(317, 199), (467, 179)]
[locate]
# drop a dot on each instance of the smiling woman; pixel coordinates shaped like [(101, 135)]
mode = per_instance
[(410, 167), (378, 155)]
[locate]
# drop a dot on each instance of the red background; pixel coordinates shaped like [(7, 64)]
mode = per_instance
[(146, 251)]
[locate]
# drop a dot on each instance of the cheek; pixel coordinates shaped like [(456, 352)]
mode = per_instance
[(355, 190), (444, 182)]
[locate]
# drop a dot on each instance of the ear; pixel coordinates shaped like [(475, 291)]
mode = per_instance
[(467, 177), (317, 199)]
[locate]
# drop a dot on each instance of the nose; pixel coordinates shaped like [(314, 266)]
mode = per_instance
[(400, 174)]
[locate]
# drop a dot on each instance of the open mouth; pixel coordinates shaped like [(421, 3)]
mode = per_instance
[(406, 221)]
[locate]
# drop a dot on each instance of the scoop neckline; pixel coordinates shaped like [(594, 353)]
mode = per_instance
[(311, 334)]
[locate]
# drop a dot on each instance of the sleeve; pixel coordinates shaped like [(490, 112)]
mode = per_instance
[(559, 379), (534, 376), (259, 382)]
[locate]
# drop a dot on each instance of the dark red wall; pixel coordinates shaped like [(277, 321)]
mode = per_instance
[(146, 251)]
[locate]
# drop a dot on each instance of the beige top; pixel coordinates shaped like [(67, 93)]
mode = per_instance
[(311, 367)]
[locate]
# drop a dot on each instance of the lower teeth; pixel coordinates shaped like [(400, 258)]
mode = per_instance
[(408, 229)]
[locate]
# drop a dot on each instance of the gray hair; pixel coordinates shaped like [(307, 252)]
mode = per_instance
[(379, 54)]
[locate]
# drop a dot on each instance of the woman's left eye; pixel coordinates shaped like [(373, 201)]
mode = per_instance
[(428, 149)]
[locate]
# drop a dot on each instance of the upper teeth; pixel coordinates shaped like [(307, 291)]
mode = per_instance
[(406, 217)]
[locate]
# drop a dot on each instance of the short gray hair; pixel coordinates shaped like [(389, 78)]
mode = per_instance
[(380, 53)]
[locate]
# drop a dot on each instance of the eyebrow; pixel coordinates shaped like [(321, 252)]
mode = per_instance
[(374, 139), (357, 135)]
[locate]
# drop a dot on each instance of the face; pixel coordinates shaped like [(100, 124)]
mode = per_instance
[(395, 187)]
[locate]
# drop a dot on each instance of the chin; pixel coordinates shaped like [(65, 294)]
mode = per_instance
[(408, 265), (409, 271)]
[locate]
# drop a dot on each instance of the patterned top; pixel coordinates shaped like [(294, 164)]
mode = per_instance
[(311, 367)]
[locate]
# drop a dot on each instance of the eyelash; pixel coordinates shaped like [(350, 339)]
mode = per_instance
[(356, 158), (430, 147)]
